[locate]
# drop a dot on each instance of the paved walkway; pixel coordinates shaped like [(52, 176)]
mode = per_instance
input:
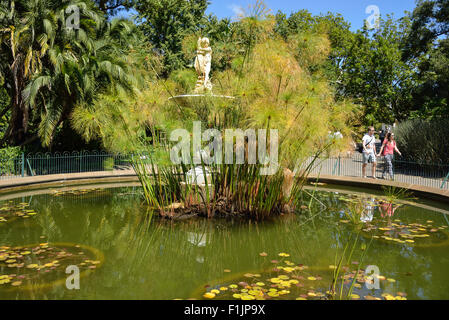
[(63, 179), (419, 190), (128, 175), (352, 167)]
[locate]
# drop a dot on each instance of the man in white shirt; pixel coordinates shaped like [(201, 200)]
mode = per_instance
[(369, 152)]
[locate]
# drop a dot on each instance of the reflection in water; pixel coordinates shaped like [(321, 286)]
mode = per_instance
[(368, 214), (159, 259), (387, 209), (199, 240)]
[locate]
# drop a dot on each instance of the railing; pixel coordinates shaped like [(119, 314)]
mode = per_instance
[(350, 165), (347, 164), (58, 163)]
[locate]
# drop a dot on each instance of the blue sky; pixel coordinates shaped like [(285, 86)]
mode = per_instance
[(352, 10)]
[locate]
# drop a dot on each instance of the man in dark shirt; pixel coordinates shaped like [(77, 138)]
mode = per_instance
[(382, 135)]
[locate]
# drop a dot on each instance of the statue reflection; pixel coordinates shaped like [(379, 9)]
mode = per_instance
[(368, 213)]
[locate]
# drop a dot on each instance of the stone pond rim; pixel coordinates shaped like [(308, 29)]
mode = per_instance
[(61, 180)]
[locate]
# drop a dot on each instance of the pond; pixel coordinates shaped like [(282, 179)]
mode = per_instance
[(106, 232)]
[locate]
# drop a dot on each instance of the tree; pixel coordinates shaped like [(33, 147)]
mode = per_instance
[(51, 67), (167, 22), (375, 74), (111, 7), (428, 44)]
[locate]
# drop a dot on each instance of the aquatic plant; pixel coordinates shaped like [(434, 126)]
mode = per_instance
[(339, 293), (10, 211), (43, 265), (273, 89), (393, 194), (287, 280), (411, 234)]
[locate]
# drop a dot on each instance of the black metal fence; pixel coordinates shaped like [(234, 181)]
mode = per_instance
[(347, 164), (350, 165), (65, 162)]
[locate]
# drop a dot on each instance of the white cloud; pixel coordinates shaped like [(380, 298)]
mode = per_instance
[(238, 10)]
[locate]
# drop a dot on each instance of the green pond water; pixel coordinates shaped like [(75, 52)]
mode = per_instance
[(121, 255)]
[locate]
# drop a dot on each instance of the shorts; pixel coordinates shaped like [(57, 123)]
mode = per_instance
[(369, 157)]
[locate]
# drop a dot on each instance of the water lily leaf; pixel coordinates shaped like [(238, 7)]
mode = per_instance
[(209, 295), (283, 254)]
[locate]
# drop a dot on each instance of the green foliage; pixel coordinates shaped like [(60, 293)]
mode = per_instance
[(108, 164), (337, 290), (10, 153), (428, 44), (186, 80), (424, 141), (4, 110), (9, 160), (394, 194), (120, 121), (276, 88), (398, 72), (374, 74), (111, 7), (167, 22), (57, 67)]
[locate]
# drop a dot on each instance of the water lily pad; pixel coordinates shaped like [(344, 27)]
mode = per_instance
[(209, 295)]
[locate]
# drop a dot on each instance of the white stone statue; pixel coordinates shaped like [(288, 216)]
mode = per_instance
[(202, 66)]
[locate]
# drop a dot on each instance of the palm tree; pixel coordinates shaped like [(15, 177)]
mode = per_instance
[(54, 66)]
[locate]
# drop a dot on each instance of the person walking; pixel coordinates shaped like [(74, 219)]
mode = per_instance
[(382, 135), (369, 152), (388, 148)]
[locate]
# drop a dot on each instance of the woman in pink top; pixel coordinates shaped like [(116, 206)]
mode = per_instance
[(387, 150)]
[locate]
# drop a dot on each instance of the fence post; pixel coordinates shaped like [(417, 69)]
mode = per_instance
[(444, 181), (23, 164), (335, 167), (339, 164)]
